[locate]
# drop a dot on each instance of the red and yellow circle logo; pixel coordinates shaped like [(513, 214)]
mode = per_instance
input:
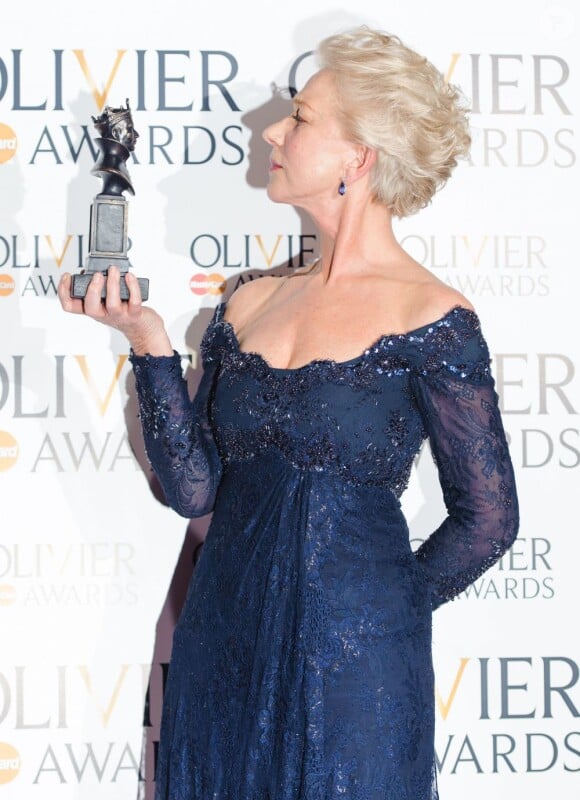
[(6, 284), (7, 143), (8, 451), (203, 283), (7, 594), (9, 762)]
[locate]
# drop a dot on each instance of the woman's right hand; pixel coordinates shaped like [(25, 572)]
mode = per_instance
[(142, 326)]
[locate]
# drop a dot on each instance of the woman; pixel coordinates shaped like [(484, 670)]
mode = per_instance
[(301, 665)]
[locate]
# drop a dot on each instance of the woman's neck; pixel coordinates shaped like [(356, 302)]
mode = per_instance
[(356, 241)]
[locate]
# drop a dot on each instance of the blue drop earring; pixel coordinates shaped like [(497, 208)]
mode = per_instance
[(342, 187)]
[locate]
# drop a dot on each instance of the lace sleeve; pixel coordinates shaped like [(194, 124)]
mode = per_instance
[(459, 409), (177, 432)]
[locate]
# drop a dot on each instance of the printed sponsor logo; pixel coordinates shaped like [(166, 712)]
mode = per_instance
[(9, 762), (214, 283), (96, 574), (519, 97), (8, 451), (8, 143), (499, 691), (7, 594), (6, 284), (486, 264)]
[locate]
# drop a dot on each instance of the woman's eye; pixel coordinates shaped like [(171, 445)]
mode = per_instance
[(296, 116)]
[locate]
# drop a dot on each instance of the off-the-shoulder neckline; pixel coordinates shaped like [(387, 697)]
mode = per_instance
[(383, 339)]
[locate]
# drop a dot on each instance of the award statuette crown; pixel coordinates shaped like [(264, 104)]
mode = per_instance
[(108, 225)]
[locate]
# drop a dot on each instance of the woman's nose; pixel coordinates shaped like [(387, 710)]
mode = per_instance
[(274, 134)]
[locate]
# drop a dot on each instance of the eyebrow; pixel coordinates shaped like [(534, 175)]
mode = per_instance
[(297, 100)]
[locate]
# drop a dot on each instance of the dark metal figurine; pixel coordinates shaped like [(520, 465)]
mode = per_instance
[(108, 225)]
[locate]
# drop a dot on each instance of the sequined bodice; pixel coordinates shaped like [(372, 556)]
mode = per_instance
[(357, 419)]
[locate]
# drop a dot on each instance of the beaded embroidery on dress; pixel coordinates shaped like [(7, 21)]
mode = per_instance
[(301, 665)]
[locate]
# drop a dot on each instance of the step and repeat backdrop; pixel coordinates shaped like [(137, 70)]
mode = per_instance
[(93, 565)]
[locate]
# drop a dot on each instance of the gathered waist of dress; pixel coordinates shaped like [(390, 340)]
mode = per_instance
[(318, 504)]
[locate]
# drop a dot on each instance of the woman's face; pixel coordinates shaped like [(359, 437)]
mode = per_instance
[(310, 152)]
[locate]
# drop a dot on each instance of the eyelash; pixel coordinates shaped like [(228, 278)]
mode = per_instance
[(296, 116)]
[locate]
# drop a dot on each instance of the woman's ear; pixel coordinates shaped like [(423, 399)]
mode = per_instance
[(361, 164)]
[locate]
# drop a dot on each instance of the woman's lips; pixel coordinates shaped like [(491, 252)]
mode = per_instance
[(274, 166)]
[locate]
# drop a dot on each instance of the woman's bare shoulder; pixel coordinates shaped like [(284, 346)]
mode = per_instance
[(438, 299), (249, 296), (429, 300)]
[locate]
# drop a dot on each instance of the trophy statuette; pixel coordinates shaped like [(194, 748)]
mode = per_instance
[(108, 222)]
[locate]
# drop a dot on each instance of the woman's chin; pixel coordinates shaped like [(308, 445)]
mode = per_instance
[(275, 195)]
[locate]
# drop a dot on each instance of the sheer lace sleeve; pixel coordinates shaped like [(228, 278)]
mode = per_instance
[(455, 393), (177, 432)]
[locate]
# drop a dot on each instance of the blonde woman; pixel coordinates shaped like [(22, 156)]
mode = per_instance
[(301, 665)]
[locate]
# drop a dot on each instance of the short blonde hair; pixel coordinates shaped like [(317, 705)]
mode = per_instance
[(395, 101)]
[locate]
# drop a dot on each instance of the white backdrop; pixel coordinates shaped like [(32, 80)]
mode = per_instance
[(93, 566)]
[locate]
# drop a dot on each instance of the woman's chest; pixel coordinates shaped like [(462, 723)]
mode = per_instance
[(359, 416)]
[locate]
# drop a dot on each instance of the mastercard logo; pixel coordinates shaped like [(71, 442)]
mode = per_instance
[(9, 762), (7, 143), (7, 594), (8, 451), (212, 283), (6, 284)]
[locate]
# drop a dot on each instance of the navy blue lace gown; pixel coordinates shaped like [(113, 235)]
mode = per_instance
[(301, 665)]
